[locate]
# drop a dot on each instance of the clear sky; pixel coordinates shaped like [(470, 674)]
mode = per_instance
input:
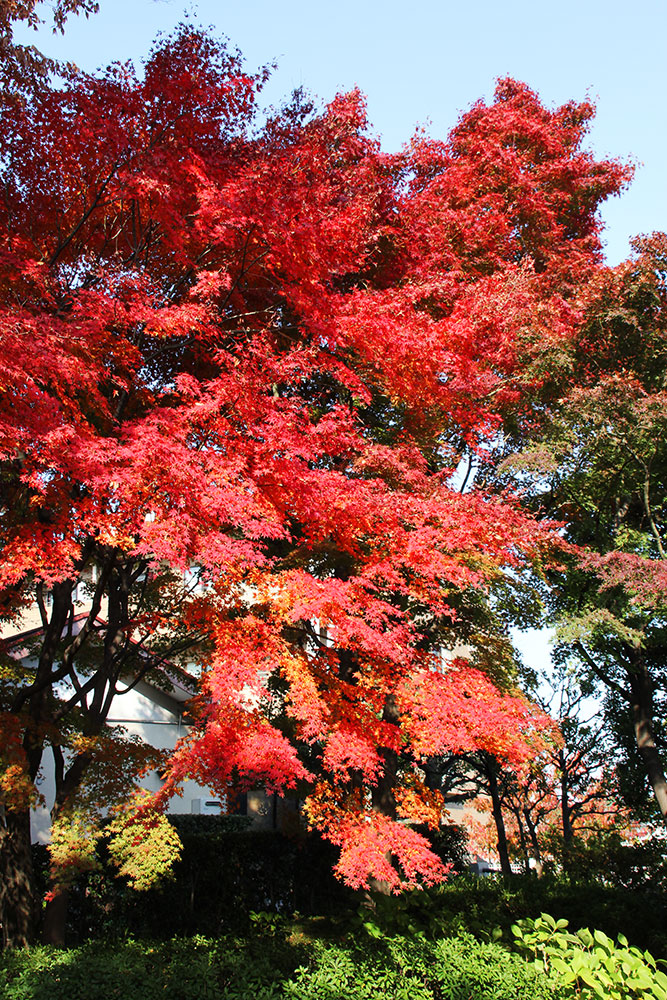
[(424, 62)]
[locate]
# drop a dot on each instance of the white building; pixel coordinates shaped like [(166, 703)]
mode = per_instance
[(158, 717)]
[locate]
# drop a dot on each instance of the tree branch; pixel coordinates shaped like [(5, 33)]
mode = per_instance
[(599, 672)]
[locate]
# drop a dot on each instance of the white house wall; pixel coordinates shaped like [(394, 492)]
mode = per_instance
[(157, 725)]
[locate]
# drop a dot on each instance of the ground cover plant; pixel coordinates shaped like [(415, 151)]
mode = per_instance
[(269, 968)]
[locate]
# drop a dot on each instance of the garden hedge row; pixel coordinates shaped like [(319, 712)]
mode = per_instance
[(228, 872)]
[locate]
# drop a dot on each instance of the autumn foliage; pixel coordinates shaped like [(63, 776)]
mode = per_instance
[(263, 350)]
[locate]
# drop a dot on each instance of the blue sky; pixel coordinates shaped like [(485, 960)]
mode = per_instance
[(425, 62)]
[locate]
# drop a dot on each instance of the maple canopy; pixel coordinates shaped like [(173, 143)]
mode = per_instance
[(259, 352)]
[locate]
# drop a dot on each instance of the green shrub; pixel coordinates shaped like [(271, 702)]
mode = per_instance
[(272, 967), (450, 843), (182, 969), (464, 968), (589, 964), (479, 905), (226, 873), (640, 866)]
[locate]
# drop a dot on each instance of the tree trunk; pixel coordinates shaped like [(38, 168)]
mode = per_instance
[(532, 833), (384, 800), (491, 767), (55, 919), (67, 782), (522, 839), (565, 811), (642, 715), (18, 896)]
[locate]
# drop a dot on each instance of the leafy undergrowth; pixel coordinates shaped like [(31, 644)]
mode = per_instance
[(487, 908), (273, 966), (395, 950), (589, 964), (484, 907)]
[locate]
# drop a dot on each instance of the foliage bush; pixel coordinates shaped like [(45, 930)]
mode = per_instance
[(405, 969), (482, 905), (628, 866), (450, 844), (226, 872), (487, 908), (589, 963), (272, 967)]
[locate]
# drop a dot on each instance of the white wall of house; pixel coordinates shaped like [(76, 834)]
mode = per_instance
[(149, 713), (155, 718)]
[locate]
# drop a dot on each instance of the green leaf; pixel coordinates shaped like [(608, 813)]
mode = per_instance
[(661, 979), (585, 936)]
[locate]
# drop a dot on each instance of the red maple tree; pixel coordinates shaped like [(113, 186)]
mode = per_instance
[(262, 351)]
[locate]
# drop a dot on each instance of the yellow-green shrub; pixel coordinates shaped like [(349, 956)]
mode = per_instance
[(589, 963)]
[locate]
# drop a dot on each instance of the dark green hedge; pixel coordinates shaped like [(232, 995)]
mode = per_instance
[(268, 968), (478, 905), (226, 872)]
